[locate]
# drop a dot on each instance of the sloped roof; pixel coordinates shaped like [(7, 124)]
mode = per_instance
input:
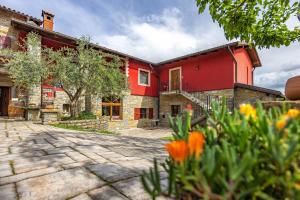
[(36, 20)]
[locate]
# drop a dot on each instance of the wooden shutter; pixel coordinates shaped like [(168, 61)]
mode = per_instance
[(137, 113), (150, 113)]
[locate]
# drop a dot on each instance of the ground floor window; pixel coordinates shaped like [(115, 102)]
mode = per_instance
[(175, 110), (143, 113), (111, 107)]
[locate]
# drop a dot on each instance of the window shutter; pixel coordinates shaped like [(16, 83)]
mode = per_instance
[(150, 113), (137, 113)]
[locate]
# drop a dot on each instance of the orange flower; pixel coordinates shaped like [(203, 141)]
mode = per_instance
[(196, 142), (293, 113), (281, 123), (178, 150)]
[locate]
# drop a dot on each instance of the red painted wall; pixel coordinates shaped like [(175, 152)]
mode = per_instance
[(213, 71), (136, 89), (244, 69)]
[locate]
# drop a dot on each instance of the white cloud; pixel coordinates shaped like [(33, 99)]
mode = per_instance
[(159, 37), (156, 36)]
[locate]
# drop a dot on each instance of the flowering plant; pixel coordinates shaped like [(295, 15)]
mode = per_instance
[(248, 153)]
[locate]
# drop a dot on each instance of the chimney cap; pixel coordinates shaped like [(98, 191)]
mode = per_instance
[(45, 12)]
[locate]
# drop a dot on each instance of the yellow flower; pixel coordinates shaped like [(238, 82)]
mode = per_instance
[(293, 113), (178, 150), (195, 143), (248, 110)]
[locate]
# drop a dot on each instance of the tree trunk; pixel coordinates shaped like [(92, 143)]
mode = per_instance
[(73, 108)]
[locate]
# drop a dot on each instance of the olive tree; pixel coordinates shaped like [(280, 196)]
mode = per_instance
[(79, 71), (262, 23)]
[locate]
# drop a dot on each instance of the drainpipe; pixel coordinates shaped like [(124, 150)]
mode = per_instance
[(253, 74), (158, 87), (235, 72), (235, 63)]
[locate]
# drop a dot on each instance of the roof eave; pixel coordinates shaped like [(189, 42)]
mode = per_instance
[(70, 40)]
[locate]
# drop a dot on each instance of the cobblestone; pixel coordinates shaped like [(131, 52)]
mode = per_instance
[(43, 162)]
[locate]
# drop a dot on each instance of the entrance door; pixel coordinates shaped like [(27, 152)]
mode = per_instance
[(175, 79), (4, 100)]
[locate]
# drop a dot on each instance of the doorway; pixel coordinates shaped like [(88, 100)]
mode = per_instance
[(4, 101), (175, 79)]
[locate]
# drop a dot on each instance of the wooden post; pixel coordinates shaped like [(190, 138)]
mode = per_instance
[(110, 113)]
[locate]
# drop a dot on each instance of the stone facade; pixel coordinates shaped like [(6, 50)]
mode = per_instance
[(49, 116), (129, 102), (243, 95), (7, 30), (166, 101)]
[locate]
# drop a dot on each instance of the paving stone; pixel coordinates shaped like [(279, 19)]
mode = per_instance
[(22, 176), (25, 165), (21, 155), (59, 150), (77, 156), (79, 164), (106, 193), (132, 188), (5, 169), (7, 192), (111, 172), (83, 196), (137, 165), (60, 185)]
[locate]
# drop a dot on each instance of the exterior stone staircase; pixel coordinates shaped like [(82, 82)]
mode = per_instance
[(202, 102)]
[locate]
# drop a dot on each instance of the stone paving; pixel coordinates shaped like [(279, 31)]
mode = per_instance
[(43, 162)]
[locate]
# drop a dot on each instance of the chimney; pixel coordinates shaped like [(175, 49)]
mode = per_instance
[(47, 20)]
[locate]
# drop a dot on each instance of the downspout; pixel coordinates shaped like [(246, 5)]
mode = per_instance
[(253, 74), (235, 63), (158, 88), (235, 73)]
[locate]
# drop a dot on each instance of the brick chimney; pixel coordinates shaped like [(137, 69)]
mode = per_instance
[(47, 20)]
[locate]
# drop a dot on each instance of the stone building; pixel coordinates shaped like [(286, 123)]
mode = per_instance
[(156, 90)]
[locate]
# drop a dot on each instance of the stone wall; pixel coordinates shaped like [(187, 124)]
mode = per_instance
[(243, 95), (129, 102), (98, 124), (7, 30), (165, 106)]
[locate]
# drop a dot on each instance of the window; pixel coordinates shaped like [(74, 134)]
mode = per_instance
[(111, 107), (175, 110), (143, 113), (66, 108), (144, 77)]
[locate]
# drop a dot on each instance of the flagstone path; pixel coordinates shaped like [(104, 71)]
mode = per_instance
[(42, 162)]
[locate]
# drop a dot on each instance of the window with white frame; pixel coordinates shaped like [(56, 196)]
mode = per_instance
[(144, 77)]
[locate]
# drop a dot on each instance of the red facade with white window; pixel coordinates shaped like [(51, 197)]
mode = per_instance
[(216, 70)]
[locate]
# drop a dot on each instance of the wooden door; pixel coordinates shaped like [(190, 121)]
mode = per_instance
[(175, 79), (4, 101)]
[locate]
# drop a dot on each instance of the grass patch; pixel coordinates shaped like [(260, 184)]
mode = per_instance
[(79, 128), (81, 116), (169, 138)]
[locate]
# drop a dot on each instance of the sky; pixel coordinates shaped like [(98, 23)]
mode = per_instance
[(156, 30)]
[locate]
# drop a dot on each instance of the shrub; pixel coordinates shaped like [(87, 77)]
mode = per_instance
[(81, 116), (250, 153)]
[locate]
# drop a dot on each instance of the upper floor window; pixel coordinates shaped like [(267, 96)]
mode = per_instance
[(144, 77)]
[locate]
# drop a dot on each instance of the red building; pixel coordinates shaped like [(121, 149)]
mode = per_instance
[(157, 90)]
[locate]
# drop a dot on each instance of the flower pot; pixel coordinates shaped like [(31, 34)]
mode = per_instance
[(292, 88)]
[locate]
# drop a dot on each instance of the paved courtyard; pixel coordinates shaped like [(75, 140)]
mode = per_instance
[(43, 162)]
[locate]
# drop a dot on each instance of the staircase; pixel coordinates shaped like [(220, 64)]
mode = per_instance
[(202, 102)]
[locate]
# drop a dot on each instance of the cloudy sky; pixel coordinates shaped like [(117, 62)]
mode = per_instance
[(156, 30)]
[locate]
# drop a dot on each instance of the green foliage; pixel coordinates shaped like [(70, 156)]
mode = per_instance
[(26, 66), (81, 116), (80, 70), (260, 22), (245, 156), (79, 128)]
